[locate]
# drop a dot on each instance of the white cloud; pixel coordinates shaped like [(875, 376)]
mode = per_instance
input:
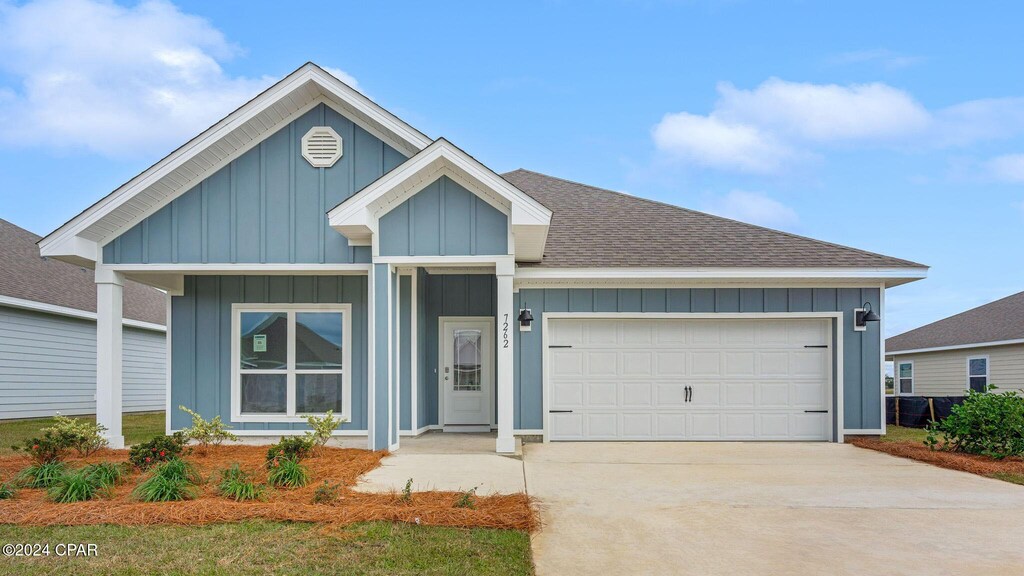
[(1008, 168), (119, 81), (710, 141), (755, 208)]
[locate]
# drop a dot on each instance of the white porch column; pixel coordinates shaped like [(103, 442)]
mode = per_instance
[(506, 325), (109, 288)]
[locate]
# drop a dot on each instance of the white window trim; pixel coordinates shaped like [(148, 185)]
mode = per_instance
[(291, 310), (987, 374), (913, 376)]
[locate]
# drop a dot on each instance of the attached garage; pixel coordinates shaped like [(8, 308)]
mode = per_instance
[(678, 378)]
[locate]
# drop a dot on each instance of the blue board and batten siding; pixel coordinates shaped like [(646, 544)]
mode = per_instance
[(861, 350), (201, 339), (443, 219), (267, 206)]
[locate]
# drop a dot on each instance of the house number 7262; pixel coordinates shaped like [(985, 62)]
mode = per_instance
[(504, 332)]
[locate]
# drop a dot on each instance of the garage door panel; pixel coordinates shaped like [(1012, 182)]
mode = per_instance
[(748, 379)]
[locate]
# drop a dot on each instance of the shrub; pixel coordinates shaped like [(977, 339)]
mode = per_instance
[(986, 423), (467, 499), (105, 474), (42, 475), (288, 473), (83, 436), (6, 491), (206, 432), (321, 428), (171, 480), (47, 448), (407, 491), (76, 487), (159, 449), (238, 484), (326, 493), (289, 448)]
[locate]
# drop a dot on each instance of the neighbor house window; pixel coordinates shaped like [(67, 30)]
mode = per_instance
[(291, 360), (977, 373), (905, 377)]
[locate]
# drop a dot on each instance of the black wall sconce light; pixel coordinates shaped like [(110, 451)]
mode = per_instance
[(861, 317), (525, 320)]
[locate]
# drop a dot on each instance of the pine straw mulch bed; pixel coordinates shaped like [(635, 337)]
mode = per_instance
[(336, 465), (975, 464)]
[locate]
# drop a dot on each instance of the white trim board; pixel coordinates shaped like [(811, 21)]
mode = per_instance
[(527, 277), (895, 353), (34, 306)]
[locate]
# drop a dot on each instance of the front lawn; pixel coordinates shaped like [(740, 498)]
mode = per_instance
[(895, 433), (376, 548), (135, 427)]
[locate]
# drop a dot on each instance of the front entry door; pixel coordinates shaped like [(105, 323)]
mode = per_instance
[(466, 371)]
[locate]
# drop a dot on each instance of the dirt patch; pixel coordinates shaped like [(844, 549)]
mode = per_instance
[(339, 466), (981, 465)]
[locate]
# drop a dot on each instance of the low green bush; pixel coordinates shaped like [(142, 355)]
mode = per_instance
[(986, 423), (321, 429), (81, 435), (326, 493), (289, 448), (238, 485), (7, 491), (159, 449), (467, 499), (75, 487), (288, 473), (105, 474), (206, 432), (46, 448), (42, 475), (171, 480)]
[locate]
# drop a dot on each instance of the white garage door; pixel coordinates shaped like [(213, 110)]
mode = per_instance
[(676, 379)]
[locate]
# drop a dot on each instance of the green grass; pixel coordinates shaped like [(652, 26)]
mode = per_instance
[(375, 549), (901, 434), (1009, 477), (136, 428)]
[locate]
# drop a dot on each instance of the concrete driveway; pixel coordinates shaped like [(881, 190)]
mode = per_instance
[(764, 508)]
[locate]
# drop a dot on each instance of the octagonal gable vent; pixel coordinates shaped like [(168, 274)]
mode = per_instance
[(321, 146)]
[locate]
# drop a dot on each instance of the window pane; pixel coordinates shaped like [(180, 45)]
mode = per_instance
[(906, 370), (318, 340), (978, 366), (264, 341), (467, 360), (979, 383), (317, 393), (264, 393), (906, 386)]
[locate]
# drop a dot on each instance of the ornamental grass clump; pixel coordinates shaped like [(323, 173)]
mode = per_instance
[(105, 474), (42, 475), (238, 485), (288, 473), (171, 480), (75, 487), (7, 491)]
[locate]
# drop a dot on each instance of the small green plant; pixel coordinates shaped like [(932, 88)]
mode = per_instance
[(43, 449), (42, 475), (288, 473), (238, 484), (83, 436), (105, 474), (159, 449), (207, 432), (321, 429), (326, 493), (76, 487), (7, 491), (171, 480), (289, 448), (467, 499), (407, 491), (986, 423)]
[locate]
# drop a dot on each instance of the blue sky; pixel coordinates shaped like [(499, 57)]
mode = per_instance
[(893, 127)]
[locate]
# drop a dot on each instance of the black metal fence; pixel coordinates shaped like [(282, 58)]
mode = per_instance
[(917, 411)]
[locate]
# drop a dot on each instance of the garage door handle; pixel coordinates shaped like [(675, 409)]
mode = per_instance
[(559, 411), (688, 394), (816, 346), (559, 346), (816, 411)]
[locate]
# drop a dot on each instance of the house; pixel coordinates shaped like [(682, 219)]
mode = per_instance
[(48, 335), (466, 300), (971, 350)]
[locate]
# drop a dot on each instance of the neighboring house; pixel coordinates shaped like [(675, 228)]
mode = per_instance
[(312, 211), (48, 335), (971, 350)]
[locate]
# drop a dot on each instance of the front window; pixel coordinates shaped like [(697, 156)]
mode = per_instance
[(290, 361), (977, 373), (905, 375)]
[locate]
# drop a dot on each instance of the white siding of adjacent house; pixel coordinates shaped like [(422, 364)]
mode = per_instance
[(945, 373), (48, 365)]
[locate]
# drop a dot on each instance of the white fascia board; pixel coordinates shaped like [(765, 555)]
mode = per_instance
[(892, 353), (65, 241), (887, 275), (34, 306), (229, 269)]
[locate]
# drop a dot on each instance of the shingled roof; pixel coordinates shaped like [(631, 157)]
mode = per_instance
[(596, 228), (994, 322), (28, 276)]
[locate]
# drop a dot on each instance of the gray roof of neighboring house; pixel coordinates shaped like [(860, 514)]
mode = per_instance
[(25, 274), (994, 322), (596, 228)]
